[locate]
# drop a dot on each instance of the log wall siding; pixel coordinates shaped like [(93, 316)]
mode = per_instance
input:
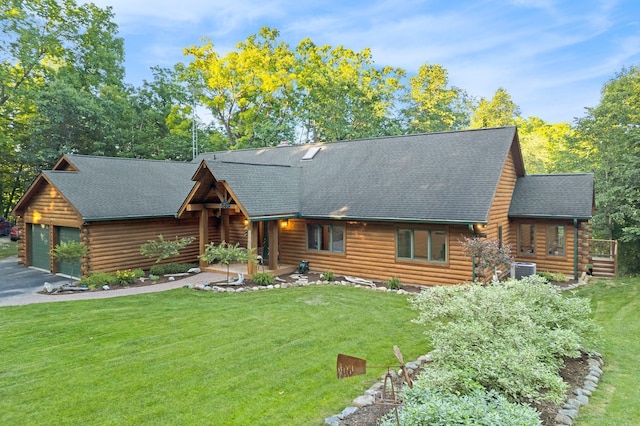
[(115, 245), (47, 207), (499, 211), (370, 252), (543, 260)]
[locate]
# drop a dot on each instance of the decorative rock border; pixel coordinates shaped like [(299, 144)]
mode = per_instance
[(566, 415), (569, 411), (301, 281)]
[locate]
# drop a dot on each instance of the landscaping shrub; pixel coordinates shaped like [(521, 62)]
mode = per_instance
[(171, 268), (263, 278), (99, 279), (510, 337), (427, 406), (394, 283), (125, 277), (328, 275), (558, 277)]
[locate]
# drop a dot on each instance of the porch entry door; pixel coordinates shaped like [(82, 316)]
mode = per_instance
[(66, 234), (40, 244)]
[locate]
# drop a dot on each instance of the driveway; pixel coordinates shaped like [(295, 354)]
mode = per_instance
[(17, 279)]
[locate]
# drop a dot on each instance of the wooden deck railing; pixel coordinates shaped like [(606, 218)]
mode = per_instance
[(604, 255), (606, 249)]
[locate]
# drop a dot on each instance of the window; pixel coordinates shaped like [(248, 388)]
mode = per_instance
[(556, 240), (422, 244), (325, 237), (526, 238)]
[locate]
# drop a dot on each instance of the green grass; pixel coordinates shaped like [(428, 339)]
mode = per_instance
[(616, 305), (8, 248), (186, 357)]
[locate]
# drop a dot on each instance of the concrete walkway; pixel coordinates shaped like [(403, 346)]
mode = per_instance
[(27, 299)]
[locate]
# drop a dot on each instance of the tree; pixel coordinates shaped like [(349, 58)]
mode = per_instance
[(227, 254), (542, 143), (433, 106), (162, 249), (69, 251), (52, 55), (488, 257), (342, 95), (497, 112), (249, 90), (607, 142)]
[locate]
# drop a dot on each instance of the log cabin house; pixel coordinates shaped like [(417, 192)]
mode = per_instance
[(373, 208)]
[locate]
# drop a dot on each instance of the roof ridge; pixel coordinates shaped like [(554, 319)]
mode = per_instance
[(107, 157), (244, 163), (375, 138)]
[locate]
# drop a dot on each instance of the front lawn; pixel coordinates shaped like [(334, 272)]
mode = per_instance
[(8, 248), (616, 306), (187, 357)]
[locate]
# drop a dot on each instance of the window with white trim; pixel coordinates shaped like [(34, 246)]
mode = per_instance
[(421, 244)]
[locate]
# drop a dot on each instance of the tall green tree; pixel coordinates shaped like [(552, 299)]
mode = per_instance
[(607, 142), (249, 90), (542, 144), (342, 95), (50, 49), (433, 105), (498, 111)]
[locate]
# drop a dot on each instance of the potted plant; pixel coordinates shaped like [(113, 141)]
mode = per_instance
[(589, 269)]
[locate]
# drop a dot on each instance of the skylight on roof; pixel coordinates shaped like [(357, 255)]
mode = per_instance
[(311, 153)]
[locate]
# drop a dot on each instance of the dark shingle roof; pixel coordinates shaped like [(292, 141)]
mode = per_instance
[(553, 196), (113, 188), (439, 177), (264, 190)]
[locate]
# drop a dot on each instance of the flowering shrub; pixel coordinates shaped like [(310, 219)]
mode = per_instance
[(126, 277), (510, 337)]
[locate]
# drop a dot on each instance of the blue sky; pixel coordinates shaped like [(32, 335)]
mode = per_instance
[(552, 56)]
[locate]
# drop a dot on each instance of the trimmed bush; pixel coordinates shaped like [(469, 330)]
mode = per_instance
[(558, 277), (171, 268), (328, 275), (263, 278), (427, 406), (99, 279), (510, 337), (394, 283)]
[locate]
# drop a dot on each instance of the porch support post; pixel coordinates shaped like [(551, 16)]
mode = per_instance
[(224, 225), (252, 244), (274, 243), (203, 234)]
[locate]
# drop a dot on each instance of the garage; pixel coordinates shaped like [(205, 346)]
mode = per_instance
[(40, 244), (66, 234)]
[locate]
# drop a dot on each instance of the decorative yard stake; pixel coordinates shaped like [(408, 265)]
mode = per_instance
[(349, 366)]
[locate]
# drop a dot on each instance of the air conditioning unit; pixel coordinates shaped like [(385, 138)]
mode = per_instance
[(522, 269)]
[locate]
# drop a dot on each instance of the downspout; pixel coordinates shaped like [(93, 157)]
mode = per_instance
[(473, 256), (575, 249)]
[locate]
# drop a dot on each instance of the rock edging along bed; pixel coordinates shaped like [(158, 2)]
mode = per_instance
[(566, 415)]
